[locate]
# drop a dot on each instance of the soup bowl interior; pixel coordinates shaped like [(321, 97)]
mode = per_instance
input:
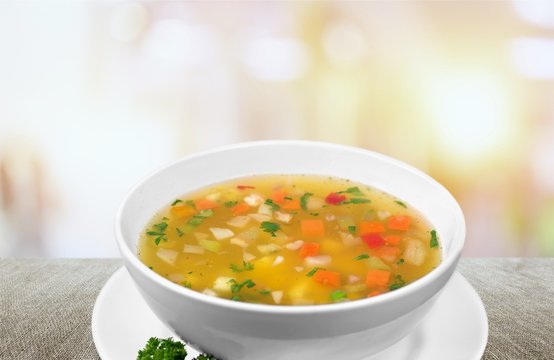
[(235, 330)]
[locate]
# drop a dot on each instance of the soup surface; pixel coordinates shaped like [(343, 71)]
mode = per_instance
[(290, 240)]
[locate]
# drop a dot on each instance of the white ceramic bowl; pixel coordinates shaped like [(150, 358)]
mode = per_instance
[(236, 330)]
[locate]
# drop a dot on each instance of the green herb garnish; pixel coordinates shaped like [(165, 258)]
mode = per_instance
[(352, 229), (434, 240), (400, 262), (265, 292), (357, 201), (167, 349), (361, 257), (190, 203), (187, 284), (179, 232), (312, 272), (230, 203), (236, 287), (304, 200), (245, 267), (352, 190), (270, 227), (397, 284), (287, 198), (200, 217), (235, 298), (338, 295), (272, 204), (400, 203), (158, 232), (176, 202), (314, 214)]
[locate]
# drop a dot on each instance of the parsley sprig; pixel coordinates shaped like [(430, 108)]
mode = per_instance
[(434, 242), (246, 266), (270, 227), (158, 232), (353, 191), (304, 200)]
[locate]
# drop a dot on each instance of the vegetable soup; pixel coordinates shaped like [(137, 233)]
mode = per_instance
[(290, 240)]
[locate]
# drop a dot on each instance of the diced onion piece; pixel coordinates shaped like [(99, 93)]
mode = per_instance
[(248, 257), (268, 248), (295, 245), (260, 217), (221, 233), (221, 284), (277, 296), (213, 196), (201, 236), (254, 200), (279, 259), (239, 221), (265, 209), (209, 292), (283, 217), (250, 234), (330, 217), (353, 279), (210, 245), (167, 255), (415, 252), (320, 260), (375, 263), (349, 239), (314, 203), (176, 277), (193, 249), (383, 214), (239, 242), (299, 268)]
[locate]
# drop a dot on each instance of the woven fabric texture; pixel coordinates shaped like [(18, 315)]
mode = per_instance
[(46, 306)]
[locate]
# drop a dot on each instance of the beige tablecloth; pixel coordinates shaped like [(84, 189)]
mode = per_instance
[(46, 306)]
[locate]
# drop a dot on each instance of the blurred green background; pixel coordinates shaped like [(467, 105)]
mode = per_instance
[(94, 95)]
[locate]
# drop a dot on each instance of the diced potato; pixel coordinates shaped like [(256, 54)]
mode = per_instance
[(283, 217), (277, 296), (260, 217), (265, 209), (209, 292), (320, 260), (221, 233), (299, 268), (239, 242), (295, 245), (176, 277), (278, 260), (248, 257), (239, 221), (348, 239), (213, 196), (193, 249), (167, 255), (415, 252), (250, 235), (268, 248), (314, 203), (201, 236), (222, 285), (254, 200), (330, 217), (353, 279)]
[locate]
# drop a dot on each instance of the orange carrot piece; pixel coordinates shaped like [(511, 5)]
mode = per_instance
[(392, 240), (374, 293), (278, 196), (312, 227), (377, 278), (399, 222), (182, 211), (326, 277), (371, 227), (309, 249), (291, 204), (204, 204), (241, 208)]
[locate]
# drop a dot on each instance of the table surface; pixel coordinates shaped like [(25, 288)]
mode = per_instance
[(46, 306)]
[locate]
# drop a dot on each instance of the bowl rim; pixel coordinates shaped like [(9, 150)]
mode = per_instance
[(447, 263)]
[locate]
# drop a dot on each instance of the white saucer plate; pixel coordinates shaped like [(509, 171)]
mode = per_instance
[(455, 329)]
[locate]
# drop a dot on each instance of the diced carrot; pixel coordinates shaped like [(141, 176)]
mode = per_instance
[(326, 277), (241, 208), (377, 278), (182, 211), (244, 187), (309, 249), (204, 204), (371, 227), (399, 222), (278, 196), (291, 204), (374, 293), (392, 240), (373, 240), (312, 227), (387, 252), (335, 199)]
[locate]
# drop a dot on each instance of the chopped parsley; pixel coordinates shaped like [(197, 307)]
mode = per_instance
[(361, 257), (265, 292), (352, 229), (272, 204), (230, 203), (187, 284), (338, 295), (287, 198), (400, 203), (312, 272), (158, 232), (270, 227), (200, 217), (314, 214), (245, 267), (176, 202), (357, 201), (400, 262), (235, 298), (304, 200), (190, 203), (434, 240), (397, 283), (179, 232), (236, 287), (352, 190)]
